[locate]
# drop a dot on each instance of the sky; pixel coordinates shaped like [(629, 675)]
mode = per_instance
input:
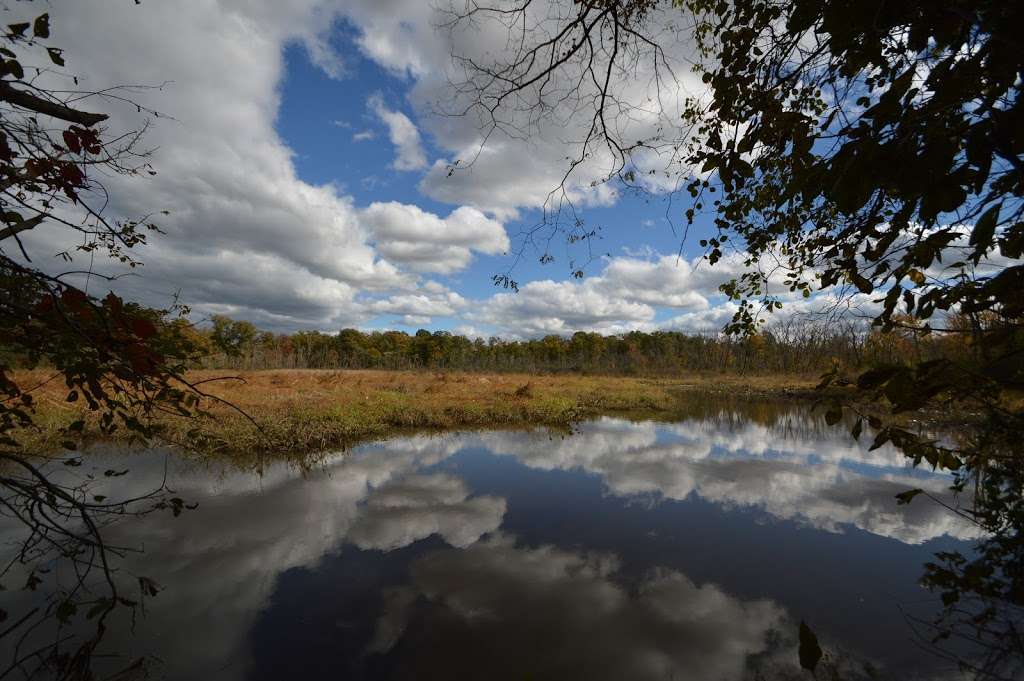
[(303, 153)]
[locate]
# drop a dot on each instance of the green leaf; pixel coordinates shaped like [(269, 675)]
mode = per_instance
[(856, 430), (41, 26), (985, 229), (1011, 244), (862, 283), (18, 29), (13, 67), (810, 652), (55, 55)]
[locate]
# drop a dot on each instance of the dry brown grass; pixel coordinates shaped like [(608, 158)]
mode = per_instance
[(301, 411)]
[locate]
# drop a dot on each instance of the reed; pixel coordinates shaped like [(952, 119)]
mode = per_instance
[(302, 411)]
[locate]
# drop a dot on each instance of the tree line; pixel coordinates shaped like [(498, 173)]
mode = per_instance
[(794, 347)]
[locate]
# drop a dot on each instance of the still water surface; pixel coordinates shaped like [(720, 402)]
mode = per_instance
[(628, 550)]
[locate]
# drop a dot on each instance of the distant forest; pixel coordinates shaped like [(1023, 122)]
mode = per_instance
[(792, 348)]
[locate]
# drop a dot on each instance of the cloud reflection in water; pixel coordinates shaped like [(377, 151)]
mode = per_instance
[(489, 598)]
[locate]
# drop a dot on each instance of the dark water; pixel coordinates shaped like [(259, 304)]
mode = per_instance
[(685, 550)]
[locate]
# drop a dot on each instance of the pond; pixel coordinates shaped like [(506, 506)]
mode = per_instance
[(688, 549)]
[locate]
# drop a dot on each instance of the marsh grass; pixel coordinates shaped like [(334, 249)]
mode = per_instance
[(303, 411)]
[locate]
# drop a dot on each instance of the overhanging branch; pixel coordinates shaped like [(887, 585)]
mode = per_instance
[(31, 102), (22, 226)]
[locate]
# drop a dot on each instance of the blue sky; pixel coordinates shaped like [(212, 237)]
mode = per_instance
[(304, 161), (320, 116), (336, 138)]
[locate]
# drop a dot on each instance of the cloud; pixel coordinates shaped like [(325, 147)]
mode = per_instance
[(468, 331), (245, 235), (364, 136), (412, 320), (220, 563), (806, 478), (495, 600), (562, 307), (710, 321), (667, 281), (417, 506), (507, 175), (630, 290), (236, 203), (405, 37), (522, 162), (324, 57), (430, 301), (403, 134), (424, 242), (622, 297)]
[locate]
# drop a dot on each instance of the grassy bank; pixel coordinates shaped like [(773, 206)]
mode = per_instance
[(302, 411)]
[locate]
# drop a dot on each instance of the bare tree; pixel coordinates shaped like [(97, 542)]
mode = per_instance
[(605, 75)]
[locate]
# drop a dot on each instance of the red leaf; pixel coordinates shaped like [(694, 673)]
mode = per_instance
[(72, 141), (90, 140), (142, 361), (112, 302), (143, 328), (71, 174), (72, 297)]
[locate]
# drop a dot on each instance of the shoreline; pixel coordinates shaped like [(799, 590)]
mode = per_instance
[(305, 411)]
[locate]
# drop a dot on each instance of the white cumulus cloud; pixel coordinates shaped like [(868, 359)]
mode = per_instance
[(424, 242), (403, 134)]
